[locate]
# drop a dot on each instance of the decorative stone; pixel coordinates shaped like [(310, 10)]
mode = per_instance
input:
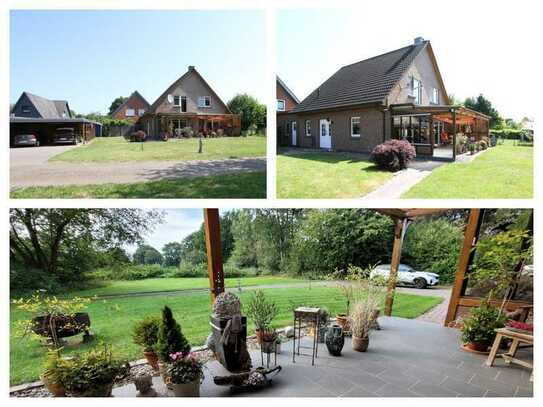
[(289, 331), (334, 339), (144, 385)]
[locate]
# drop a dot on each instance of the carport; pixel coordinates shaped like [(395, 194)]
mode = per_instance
[(85, 129)]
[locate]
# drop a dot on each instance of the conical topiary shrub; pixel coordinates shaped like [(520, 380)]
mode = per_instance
[(170, 337)]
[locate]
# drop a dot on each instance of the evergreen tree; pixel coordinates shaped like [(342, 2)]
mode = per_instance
[(170, 337)]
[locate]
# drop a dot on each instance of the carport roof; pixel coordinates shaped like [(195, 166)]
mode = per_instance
[(59, 120)]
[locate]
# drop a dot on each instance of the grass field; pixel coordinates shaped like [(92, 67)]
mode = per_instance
[(117, 149), (112, 320), (505, 171), (176, 284), (326, 175), (226, 186)]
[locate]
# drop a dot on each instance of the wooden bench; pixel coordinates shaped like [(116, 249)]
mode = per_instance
[(517, 336)]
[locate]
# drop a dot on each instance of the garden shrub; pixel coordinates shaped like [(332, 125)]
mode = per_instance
[(187, 269), (483, 145), (130, 272), (393, 155), (170, 337)]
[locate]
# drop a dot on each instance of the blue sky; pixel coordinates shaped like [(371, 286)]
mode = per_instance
[(91, 57), (479, 49)]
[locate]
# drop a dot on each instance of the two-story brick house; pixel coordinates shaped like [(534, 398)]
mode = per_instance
[(132, 109), (189, 103), (399, 94), (286, 101)]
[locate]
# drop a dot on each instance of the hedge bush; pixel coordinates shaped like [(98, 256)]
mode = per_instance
[(393, 155), (131, 272)]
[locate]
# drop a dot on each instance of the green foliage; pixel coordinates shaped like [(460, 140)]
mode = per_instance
[(253, 113), (145, 332), (187, 269), (185, 368), (171, 253), (170, 338), (433, 245), (146, 254), (333, 239), (130, 272), (86, 374), (480, 325), (261, 311), (483, 105)]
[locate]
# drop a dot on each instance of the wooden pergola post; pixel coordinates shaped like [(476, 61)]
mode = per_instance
[(399, 225), (214, 255), (466, 254), (454, 133)]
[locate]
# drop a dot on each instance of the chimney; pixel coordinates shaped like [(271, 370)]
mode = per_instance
[(418, 40), (191, 67)]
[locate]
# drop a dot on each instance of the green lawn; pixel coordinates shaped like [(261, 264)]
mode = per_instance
[(117, 149), (326, 175), (226, 186), (505, 171), (175, 284), (112, 320)]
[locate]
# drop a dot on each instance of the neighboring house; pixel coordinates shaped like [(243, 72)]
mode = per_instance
[(400, 95), (35, 114), (132, 109), (189, 103), (286, 101)]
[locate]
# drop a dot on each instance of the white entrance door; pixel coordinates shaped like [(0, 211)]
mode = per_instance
[(294, 134), (325, 136)]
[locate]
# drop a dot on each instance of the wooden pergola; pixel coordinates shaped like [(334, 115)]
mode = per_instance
[(401, 218)]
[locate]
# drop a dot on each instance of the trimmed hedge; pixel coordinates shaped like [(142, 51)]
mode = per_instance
[(393, 155), (510, 134)]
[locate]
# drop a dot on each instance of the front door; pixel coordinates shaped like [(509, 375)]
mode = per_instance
[(294, 134), (325, 136)]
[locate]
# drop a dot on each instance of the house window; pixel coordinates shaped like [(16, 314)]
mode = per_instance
[(26, 109), (129, 113), (355, 126), (435, 96), (308, 128), (183, 103), (416, 90), (204, 101), (281, 105), (415, 129), (176, 100), (141, 112)]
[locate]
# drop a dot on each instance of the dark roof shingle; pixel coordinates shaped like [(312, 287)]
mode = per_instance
[(368, 81)]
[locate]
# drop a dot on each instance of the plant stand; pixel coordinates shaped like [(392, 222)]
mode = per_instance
[(309, 316), (268, 355)]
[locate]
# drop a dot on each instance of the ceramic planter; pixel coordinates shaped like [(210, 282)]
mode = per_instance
[(360, 344), (334, 339), (55, 389), (152, 359), (191, 389)]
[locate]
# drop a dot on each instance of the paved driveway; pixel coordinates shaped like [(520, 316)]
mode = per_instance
[(21, 157)]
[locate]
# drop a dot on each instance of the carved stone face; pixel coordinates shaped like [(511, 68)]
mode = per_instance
[(143, 382)]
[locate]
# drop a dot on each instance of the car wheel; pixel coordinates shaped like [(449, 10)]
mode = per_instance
[(420, 283)]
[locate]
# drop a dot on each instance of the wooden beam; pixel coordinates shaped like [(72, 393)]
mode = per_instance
[(470, 239), (399, 225), (214, 255)]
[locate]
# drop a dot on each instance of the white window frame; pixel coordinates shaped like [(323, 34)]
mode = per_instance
[(308, 127), (202, 102), (141, 112), (435, 96), (416, 92), (178, 98), (281, 109), (359, 130), (130, 112)]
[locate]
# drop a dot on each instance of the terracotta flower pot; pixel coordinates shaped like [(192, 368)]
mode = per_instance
[(360, 344), (478, 346), (55, 389), (191, 389), (152, 359), (343, 321), (258, 334)]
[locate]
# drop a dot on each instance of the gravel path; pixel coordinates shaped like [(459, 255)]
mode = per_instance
[(26, 173)]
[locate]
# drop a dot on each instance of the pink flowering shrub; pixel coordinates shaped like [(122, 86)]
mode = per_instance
[(393, 155), (184, 368)]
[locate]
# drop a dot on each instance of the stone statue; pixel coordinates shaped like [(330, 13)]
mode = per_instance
[(144, 385)]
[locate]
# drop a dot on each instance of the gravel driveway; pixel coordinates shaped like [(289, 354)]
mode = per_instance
[(29, 167)]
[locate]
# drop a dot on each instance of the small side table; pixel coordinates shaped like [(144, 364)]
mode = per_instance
[(517, 336), (310, 316)]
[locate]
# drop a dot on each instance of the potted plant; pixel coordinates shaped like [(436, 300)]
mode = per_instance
[(170, 341), (185, 372), (262, 312), (478, 330), (280, 339), (91, 374), (145, 334), (268, 341), (52, 374)]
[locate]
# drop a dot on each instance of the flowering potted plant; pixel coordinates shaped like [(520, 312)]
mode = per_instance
[(145, 334), (185, 373)]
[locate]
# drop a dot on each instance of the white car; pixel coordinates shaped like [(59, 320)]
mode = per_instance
[(407, 276)]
